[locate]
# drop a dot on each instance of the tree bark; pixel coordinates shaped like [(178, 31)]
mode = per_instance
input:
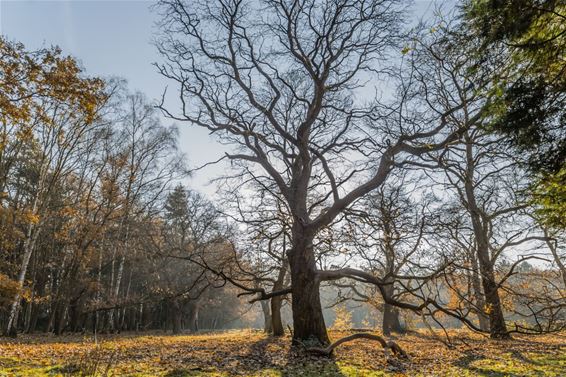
[(497, 326), (391, 322), (308, 322), (267, 324), (193, 317), (483, 319), (61, 317), (276, 302), (177, 316), (29, 245), (276, 322)]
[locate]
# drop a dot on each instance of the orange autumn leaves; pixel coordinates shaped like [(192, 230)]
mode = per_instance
[(32, 80), (39, 91)]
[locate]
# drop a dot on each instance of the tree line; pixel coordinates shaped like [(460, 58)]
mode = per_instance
[(90, 213)]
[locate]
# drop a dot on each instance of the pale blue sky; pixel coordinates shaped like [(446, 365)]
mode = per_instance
[(109, 38), (112, 38)]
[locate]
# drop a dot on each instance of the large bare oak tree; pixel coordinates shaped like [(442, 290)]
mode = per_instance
[(300, 89)]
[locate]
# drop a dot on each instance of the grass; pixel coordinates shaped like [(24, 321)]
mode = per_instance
[(252, 353)]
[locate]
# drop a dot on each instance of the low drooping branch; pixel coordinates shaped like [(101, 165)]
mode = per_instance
[(267, 295), (263, 295), (387, 345), (425, 302)]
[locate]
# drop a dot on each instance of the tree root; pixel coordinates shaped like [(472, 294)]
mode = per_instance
[(387, 345)]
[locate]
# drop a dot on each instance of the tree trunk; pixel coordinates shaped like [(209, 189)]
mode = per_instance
[(37, 308), (34, 317), (267, 324), (60, 323), (29, 245), (124, 310), (112, 321), (308, 322), (177, 316), (497, 327), (552, 245), (51, 319), (391, 322), (276, 302), (276, 322), (483, 319), (193, 317)]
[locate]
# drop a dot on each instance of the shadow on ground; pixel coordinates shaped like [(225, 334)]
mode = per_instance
[(266, 357)]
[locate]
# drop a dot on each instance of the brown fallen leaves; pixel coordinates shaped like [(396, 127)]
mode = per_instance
[(252, 353)]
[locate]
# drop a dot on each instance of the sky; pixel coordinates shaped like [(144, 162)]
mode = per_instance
[(113, 38), (109, 38)]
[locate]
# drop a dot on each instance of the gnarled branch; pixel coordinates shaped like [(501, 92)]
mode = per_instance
[(387, 345)]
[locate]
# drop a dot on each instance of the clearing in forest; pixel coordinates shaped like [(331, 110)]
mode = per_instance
[(252, 353)]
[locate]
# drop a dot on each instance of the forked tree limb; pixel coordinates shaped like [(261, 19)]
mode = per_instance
[(387, 345)]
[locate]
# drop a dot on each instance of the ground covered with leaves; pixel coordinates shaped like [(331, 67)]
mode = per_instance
[(252, 353)]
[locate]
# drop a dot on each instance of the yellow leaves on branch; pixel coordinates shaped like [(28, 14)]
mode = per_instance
[(32, 80), (343, 320), (30, 217), (8, 289)]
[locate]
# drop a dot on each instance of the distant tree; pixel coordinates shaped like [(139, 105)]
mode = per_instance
[(263, 240), (189, 218), (390, 234)]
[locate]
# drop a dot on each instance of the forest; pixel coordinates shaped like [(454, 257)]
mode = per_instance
[(390, 185)]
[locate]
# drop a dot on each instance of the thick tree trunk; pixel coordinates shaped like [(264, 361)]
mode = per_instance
[(276, 322), (483, 319), (51, 319), (497, 326), (74, 316), (308, 322), (391, 322), (493, 308), (34, 317)]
